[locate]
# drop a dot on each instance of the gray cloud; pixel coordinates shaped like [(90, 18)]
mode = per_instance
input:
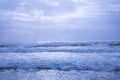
[(20, 17)]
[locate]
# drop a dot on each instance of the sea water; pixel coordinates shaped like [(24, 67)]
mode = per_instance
[(60, 61)]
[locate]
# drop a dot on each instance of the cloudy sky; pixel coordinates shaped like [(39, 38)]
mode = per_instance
[(59, 20)]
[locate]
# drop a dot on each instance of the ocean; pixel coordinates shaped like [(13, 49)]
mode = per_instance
[(60, 61)]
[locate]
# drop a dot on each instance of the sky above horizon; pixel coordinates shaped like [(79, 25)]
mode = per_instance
[(25, 21)]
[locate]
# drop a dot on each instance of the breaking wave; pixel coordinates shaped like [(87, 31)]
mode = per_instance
[(77, 47), (61, 61)]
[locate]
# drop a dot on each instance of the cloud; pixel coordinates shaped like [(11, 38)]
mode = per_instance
[(50, 12), (53, 3), (38, 15), (26, 20), (29, 16), (114, 8), (77, 1)]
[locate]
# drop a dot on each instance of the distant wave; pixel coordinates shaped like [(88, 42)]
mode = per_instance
[(77, 47), (60, 44)]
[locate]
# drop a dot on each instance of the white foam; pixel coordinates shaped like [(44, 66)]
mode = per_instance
[(57, 75), (61, 61)]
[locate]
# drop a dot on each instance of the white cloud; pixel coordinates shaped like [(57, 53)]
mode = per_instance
[(37, 15), (49, 2), (52, 3), (30, 16), (80, 12), (24, 13), (77, 1), (114, 8), (22, 3)]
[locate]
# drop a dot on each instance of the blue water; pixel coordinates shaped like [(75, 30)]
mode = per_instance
[(60, 61), (76, 47)]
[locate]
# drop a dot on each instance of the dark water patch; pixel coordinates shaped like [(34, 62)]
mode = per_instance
[(7, 68), (114, 44), (58, 69)]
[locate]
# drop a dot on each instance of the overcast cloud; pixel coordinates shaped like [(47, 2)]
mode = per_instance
[(59, 20)]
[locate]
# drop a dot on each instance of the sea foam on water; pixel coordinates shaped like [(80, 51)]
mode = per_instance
[(60, 61)]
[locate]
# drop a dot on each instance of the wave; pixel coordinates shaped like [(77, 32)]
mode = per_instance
[(59, 69), (21, 74), (78, 47), (61, 61), (60, 44)]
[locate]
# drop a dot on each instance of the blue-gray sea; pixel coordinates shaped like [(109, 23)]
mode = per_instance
[(60, 61)]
